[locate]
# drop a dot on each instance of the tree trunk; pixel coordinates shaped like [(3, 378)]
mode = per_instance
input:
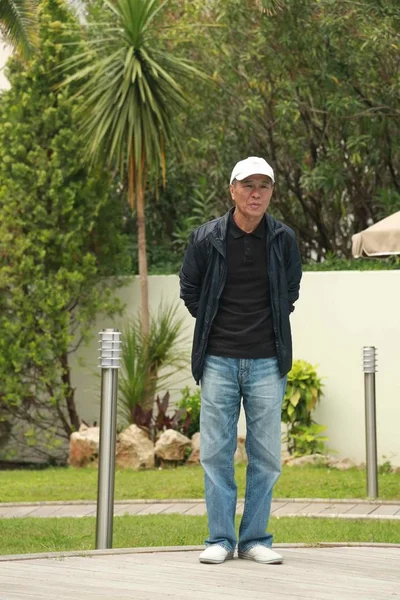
[(69, 395), (142, 253), (150, 388)]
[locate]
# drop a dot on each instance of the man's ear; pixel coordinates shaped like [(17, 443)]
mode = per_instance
[(231, 189)]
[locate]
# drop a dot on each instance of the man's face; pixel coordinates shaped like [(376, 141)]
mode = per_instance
[(252, 195)]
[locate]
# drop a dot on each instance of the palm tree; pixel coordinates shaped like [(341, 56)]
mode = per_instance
[(130, 92), (18, 25)]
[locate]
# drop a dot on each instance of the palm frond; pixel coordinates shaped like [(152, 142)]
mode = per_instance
[(150, 363), (18, 24), (270, 7), (131, 90), (132, 381)]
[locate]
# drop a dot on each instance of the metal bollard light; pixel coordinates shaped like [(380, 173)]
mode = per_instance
[(369, 367), (110, 344)]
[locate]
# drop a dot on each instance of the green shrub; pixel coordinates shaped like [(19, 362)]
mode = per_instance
[(190, 403), (60, 242), (333, 263), (303, 392), (307, 439), (159, 418)]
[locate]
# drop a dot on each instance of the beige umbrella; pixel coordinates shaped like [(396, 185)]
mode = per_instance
[(381, 239)]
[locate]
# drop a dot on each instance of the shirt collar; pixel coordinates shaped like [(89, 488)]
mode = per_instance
[(236, 232)]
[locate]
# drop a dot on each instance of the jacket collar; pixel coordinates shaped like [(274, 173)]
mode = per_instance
[(218, 234), (236, 232), (274, 226)]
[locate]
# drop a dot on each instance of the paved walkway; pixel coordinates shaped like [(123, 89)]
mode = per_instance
[(286, 507)]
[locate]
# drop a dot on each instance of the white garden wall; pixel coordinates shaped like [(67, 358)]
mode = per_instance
[(337, 314)]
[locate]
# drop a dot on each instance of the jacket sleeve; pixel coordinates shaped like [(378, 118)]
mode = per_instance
[(293, 272), (191, 275)]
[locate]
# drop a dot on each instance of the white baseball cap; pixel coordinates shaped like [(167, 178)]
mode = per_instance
[(253, 165)]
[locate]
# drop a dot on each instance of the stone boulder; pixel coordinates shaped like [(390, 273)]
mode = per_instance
[(171, 445), (342, 464), (241, 454), (326, 460), (301, 461), (134, 449), (84, 446), (194, 458)]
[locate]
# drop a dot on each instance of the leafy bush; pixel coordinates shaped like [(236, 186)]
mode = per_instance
[(190, 403), (333, 263), (185, 418), (155, 422), (308, 440), (203, 210), (59, 241), (303, 392)]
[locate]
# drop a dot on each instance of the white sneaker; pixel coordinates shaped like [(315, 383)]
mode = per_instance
[(261, 554), (215, 553)]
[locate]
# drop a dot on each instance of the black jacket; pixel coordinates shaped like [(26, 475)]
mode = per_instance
[(203, 276)]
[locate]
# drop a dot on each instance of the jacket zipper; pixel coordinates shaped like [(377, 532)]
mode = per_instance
[(221, 287), (275, 316)]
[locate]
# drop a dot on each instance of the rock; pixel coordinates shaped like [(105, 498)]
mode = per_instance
[(241, 454), (134, 449), (308, 459), (171, 445), (84, 446), (326, 460), (342, 464), (194, 458)]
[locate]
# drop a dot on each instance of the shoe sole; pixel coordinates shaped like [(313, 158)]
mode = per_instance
[(274, 561), (210, 561)]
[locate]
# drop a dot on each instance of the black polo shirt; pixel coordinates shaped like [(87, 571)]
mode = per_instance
[(243, 326)]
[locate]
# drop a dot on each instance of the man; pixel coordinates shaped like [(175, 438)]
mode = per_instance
[(240, 277)]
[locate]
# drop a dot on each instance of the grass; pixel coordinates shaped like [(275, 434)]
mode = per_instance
[(63, 483), (20, 536)]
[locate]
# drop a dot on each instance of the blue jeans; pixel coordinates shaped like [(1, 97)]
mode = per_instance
[(224, 383)]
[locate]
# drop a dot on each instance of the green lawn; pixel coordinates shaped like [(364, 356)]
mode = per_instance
[(184, 482), (19, 536)]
